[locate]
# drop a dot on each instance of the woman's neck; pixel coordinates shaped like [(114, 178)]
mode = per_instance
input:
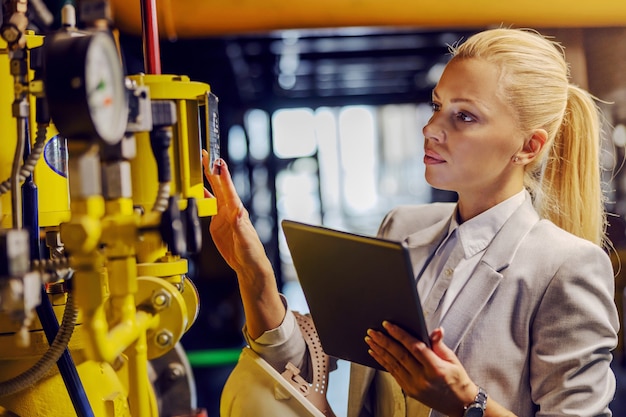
[(470, 206)]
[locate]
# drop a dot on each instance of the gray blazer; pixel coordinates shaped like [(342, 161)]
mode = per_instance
[(536, 323)]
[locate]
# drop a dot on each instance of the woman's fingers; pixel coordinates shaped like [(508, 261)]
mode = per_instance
[(409, 343), (393, 355), (440, 348), (222, 186)]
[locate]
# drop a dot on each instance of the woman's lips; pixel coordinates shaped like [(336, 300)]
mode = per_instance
[(431, 157)]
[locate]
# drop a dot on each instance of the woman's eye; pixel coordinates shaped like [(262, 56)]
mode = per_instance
[(464, 117), (434, 106)]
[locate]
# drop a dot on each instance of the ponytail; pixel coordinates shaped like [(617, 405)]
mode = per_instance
[(571, 185)]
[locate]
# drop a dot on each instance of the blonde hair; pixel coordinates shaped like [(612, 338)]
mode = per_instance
[(565, 179)]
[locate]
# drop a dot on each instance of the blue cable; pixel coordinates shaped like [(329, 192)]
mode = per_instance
[(48, 319), (66, 365)]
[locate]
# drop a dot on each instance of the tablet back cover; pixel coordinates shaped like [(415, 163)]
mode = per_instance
[(352, 283)]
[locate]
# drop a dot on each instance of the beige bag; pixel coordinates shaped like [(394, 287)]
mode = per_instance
[(255, 388)]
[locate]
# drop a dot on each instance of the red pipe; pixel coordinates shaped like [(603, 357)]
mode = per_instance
[(150, 36)]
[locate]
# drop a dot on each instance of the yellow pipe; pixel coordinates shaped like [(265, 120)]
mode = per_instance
[(201, 18), (138, 387), (107, 344), (82, 233), (123, 288), (119, 236), (122, 309), (183, 151), (92, 286)]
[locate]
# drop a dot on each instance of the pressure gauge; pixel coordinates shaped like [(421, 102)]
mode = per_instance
[(84, 84)]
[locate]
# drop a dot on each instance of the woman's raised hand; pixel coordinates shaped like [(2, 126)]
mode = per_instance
[(231, 228), (240, 246)]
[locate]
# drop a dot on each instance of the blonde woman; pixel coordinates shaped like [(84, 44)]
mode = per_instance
[(527, 301)]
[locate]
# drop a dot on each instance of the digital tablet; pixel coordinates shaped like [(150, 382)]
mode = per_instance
[(352, 283)]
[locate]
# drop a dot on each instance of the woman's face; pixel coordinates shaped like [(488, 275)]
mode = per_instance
[(473, 135)]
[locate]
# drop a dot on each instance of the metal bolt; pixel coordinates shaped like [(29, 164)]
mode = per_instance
[(164, 338), (175, 371), (161, 299)]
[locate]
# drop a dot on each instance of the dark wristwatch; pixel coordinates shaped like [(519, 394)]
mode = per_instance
[(478, 406)]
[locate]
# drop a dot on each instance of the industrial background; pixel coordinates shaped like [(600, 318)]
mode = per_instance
[(321, 103)]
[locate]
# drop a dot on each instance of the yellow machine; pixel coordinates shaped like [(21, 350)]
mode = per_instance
[(101, 204)]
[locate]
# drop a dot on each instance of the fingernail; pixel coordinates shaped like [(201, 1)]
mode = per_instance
[(386, 324), (218, 165)]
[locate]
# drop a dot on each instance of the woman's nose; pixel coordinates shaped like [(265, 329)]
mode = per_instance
[(431, 131)]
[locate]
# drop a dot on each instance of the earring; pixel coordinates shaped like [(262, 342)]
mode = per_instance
[(515, 159)]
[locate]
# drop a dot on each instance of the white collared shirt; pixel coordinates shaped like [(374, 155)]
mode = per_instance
[(474, 236)]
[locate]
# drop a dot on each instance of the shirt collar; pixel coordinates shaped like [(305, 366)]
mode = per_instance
[(475, 234)]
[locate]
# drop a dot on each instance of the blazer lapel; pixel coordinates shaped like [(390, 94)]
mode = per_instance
[(422, 245), (488, 274)]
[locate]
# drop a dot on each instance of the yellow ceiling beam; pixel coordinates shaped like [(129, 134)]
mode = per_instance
[(194, 18)]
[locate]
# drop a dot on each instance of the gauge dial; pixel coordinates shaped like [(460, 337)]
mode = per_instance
[(104, 86), (84, 84)]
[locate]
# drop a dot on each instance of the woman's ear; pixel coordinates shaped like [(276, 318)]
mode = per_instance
[(532, 147)]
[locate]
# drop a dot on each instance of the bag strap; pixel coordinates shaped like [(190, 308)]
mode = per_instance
[(316, 392)]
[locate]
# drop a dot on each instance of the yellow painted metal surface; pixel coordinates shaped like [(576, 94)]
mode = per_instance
[(193, 18), (51, 182), (49, 397), (185, 151)]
